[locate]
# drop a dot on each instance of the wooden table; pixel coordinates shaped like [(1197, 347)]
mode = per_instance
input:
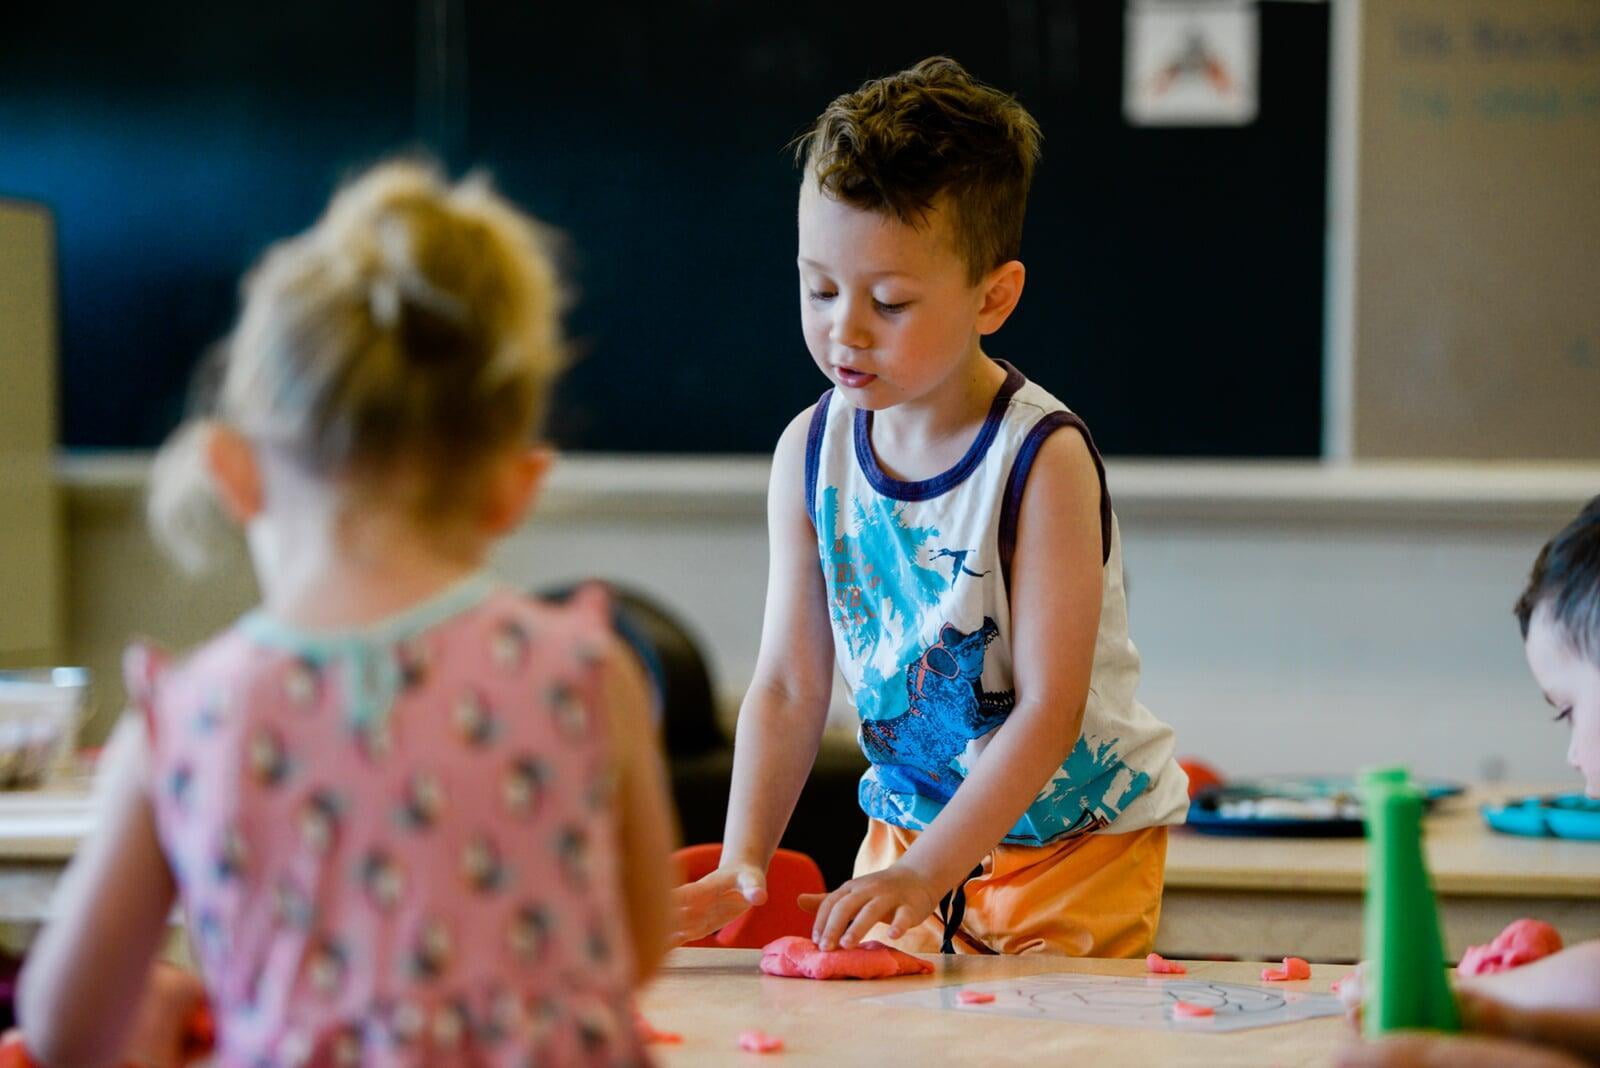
[(39, 832), (1252, 898), (1267, 897), (710, 995)]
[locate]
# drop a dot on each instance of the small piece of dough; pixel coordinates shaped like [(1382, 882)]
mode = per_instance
[(1160, 965), (799, 958), (1188, 1010), (1522, 942), (650, 1036), (1293, 968), (760, 1042), (974, 997)]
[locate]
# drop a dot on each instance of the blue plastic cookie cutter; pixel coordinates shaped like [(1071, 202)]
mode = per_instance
[(1557, 816)]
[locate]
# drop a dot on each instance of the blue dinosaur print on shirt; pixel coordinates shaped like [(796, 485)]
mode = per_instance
[(921, 704), (875, 579), (947, 708)]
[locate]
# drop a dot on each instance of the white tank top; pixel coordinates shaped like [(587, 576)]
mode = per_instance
[(918, 577)]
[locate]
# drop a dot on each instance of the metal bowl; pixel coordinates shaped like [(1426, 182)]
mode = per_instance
[(39, 712)]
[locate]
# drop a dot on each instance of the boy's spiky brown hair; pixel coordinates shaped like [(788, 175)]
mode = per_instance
[(898, 144), (1566, 579)]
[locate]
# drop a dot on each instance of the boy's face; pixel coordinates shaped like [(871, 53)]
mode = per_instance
[(1571, 683), (887, 308)]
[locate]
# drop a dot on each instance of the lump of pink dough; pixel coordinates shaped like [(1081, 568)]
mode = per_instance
[(759, 1042), (974, 997), (1188, 1010), (1522, 942), (799, 958), (1160, 965), (1293, 968)]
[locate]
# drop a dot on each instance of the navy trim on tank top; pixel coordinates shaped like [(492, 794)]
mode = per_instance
[(1017, 482), (945, 481), (819, 423)]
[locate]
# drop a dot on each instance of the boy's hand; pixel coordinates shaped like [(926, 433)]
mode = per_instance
[(711, 903), (1478, 1011), (1351, 991), (896, 895)]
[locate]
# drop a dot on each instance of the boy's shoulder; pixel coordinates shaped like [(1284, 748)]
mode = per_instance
[(800, 432)]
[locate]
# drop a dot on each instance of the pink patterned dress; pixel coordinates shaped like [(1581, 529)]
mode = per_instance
[(396, 845)]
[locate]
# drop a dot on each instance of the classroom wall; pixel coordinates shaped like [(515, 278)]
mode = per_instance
[(1292, 617), (1178, 263)]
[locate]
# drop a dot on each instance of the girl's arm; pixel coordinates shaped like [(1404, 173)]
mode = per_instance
[(645, 810), (785, 710), (85, 976), (1056, 588)]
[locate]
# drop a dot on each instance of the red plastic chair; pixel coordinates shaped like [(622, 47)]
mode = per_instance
[(788, 876)]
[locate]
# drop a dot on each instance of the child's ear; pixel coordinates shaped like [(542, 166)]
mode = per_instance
[(1002, 288), (513, 487), (231, 464)]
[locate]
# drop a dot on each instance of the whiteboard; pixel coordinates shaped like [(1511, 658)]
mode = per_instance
[(1477, 258)]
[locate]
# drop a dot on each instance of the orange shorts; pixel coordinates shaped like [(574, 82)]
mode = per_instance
[(1096, 895)]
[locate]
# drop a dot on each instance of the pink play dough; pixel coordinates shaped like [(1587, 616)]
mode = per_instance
[(799, 958), (1522, 942), (1160, 965), (650, 1036), (1188, 1010), (1293, 968), (974, 997), (760, 1042)]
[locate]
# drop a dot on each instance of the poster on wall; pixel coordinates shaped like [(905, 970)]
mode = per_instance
[(1191, 62)]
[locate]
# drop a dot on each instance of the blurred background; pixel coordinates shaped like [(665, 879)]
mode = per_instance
[(172, 143), (1335, 329)]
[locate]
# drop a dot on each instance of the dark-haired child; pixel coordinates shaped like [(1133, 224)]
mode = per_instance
[(942, 532)]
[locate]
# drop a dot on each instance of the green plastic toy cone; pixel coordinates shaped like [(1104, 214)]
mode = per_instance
[(1406, 987)]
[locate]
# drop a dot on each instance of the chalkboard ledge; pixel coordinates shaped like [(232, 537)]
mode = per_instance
[(1320, 494)]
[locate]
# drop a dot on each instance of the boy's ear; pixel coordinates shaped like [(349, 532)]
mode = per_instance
[(513, 487), (231, 464), (1002, 288)]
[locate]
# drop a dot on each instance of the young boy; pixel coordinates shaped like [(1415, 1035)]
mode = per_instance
[(1545, 1014), (940, 528)]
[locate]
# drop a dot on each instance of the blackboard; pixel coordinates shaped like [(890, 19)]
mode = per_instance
[(1175, 275), (1477, 311)]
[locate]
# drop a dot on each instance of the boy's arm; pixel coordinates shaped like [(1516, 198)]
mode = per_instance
[(785, 710), (85, 976), (1569, 979), (1419, 1050), (1056, 587), (1553, 1002), (645, 811)]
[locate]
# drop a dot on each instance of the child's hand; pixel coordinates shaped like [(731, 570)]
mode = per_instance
[(711, 903), (1478, 1012), (896, 895), (1351, 989), (161, 1030)]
